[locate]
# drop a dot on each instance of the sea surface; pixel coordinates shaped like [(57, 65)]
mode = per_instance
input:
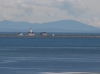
[(27, 55)]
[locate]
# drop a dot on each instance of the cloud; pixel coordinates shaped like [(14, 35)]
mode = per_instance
[(28, 10), (74, 7), (40, 11)]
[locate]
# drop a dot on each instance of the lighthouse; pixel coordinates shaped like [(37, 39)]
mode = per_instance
[(30, 33), (30, 30)]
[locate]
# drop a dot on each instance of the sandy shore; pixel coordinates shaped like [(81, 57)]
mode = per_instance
[(71, 73)]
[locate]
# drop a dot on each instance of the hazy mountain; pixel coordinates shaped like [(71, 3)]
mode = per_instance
[(57, 26)]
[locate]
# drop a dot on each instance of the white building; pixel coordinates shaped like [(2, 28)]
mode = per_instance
[(30, 33), (53, 34), (20, 34), (43, 33)]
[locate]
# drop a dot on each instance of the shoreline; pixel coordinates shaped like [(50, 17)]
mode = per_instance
[(50, 35)]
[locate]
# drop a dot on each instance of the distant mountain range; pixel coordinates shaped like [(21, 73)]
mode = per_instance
[(57, 26)]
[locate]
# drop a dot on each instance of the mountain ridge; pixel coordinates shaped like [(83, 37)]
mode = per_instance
[(56, 26)]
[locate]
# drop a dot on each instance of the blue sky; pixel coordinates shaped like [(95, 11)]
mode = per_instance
[(39, 11)]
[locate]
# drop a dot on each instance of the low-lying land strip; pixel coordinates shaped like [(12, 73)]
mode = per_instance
[(49, 35)]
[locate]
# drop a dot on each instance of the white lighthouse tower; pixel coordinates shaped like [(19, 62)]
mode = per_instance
[(30, 30), (30, 33)]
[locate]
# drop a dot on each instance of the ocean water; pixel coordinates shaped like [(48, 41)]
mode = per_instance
[(49, 55)]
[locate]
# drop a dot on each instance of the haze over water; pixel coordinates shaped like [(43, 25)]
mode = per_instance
[(22, 55)]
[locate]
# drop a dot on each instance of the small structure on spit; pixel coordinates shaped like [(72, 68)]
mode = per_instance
[(20, 34), (30, 33), (53, 34), (43, 33)]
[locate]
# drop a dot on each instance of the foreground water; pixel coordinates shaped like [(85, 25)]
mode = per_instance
[(49, 55)]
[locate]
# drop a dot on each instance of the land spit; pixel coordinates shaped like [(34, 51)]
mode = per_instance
[(49, 35)]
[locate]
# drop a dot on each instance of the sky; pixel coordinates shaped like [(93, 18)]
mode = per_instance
[(40, 11)]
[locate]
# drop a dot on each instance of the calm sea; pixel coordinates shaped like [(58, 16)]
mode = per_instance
[(49, 55)]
